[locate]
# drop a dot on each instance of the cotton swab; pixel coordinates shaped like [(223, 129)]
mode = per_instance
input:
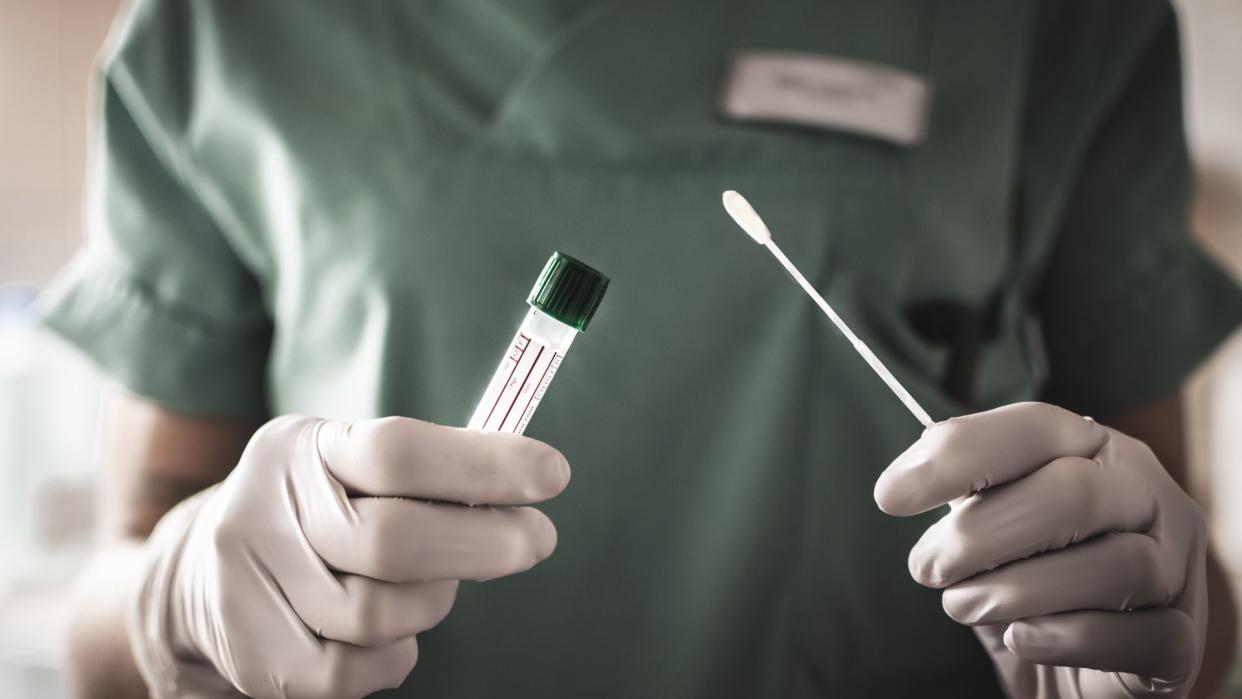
[(746, 217)]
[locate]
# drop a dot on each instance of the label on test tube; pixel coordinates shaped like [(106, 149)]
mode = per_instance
[(562, 302), (517, 387)]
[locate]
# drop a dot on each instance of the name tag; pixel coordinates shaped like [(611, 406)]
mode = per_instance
[(829, 93)]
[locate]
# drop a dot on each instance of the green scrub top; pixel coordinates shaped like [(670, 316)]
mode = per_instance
[(336, 209)]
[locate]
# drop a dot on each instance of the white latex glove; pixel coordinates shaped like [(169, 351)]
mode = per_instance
[(309, 570), (1068, 547)]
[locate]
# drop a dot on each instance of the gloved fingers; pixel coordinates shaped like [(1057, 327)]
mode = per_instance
[(341, 670), (368, 612), (1113, 572), (1066, 501), (397, 456), (267, 648), (967, 454), (399, 540), (1160, 644)]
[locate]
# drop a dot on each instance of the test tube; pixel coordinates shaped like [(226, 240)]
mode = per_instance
[(561, 305)]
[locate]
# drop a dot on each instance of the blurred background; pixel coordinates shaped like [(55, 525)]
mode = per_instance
[(49, 398)]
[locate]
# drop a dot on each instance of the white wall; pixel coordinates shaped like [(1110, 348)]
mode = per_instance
[(1212, 35), (46, 48)]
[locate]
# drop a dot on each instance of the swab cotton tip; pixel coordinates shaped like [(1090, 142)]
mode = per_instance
[(746, 217)]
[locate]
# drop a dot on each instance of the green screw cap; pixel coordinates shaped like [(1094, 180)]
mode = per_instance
[(569, 290)]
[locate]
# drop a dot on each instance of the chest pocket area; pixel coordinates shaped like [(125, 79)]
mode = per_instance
[(914, 241)]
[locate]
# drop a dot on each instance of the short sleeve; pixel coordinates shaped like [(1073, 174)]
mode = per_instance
[(1129, 304), (156, 297)]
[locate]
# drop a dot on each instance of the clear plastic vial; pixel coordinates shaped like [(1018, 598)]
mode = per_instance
[(562, 303)]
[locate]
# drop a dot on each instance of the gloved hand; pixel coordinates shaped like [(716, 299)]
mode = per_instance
[(1077, 559), (309, 570)]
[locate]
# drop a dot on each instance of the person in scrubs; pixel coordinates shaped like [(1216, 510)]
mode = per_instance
[(334, 210)]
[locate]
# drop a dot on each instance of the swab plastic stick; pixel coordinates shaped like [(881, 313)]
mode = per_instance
[(746, 217)]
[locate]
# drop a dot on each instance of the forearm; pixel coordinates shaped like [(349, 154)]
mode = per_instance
[(1222, 632), (100, 663), (1162, 426), (152, 459)]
